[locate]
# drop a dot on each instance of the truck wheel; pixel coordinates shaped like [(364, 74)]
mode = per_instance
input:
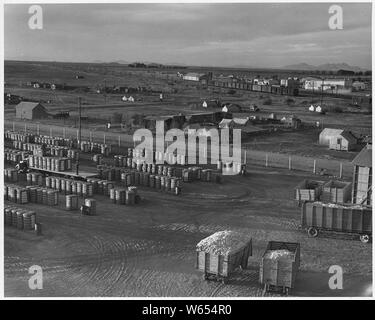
[(312, 232), (365, 238)]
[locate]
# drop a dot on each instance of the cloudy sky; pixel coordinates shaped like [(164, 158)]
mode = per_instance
[(253, 35)]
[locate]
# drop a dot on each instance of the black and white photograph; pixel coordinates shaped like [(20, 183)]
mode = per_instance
[(187, 150)]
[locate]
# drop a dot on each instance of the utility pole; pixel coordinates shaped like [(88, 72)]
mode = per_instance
[(79, 132), (105, 91)]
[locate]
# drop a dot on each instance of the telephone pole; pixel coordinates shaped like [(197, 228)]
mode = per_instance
[(79, 132)]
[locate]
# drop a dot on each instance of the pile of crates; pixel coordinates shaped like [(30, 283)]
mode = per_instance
[(11, 175), (187, 174), (14, 156), (50, 163), (69, 186), (127, 196), (100, 186), (20, 218), (71, 202), (17, 136), (15, 193), (101, 148), (53, 141), (148, 175), (42, 195), (35, 178)]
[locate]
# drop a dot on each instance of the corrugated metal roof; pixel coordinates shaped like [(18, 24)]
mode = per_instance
[(364, 158)]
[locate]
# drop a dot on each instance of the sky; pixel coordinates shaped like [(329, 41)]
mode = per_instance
[(247, 34)]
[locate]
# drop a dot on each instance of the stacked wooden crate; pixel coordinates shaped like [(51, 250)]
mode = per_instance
[(336, 191)]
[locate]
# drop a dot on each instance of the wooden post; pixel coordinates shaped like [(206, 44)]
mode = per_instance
[(50, 131), (119, 141), (341, 170), (38, 129), (14, 127), (91, 136), (314, 170), (25, 127), (290, 163), (266, 159), (64, 134), (78, 135), (104, 138)]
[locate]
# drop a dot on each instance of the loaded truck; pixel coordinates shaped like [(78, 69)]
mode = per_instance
[(279, 266), (221, 253), (317, 217)]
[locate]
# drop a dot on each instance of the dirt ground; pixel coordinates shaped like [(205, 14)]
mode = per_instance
[(149, 249)]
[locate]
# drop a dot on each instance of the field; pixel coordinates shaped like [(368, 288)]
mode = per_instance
[(180, 99), (149, 249)]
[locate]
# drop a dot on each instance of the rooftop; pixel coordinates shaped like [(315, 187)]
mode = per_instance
[(364, 158)]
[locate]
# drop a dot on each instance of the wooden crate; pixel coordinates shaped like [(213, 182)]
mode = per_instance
[(336, 191), (280, 274), (308, 190)]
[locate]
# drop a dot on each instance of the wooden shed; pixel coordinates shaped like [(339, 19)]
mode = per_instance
[(30, 110), (362, 177), (335, 191), (345, 141), (327, 134)]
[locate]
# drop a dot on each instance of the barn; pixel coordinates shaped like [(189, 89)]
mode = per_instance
[(30, 111)]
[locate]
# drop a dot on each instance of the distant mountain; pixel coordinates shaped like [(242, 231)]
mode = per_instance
[(326, 67), (120, 62)]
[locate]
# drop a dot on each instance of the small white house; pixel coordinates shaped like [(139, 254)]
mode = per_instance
[(312, 108), (319, 109), (124, 98), (131, 99)]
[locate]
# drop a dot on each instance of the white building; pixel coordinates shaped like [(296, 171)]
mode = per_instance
[(311, 83), (193, 76)]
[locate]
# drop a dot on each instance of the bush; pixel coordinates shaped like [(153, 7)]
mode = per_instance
[(267, 101)]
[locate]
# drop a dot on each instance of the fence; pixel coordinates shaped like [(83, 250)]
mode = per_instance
[(119, 142)]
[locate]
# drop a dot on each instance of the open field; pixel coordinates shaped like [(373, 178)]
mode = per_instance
[(99, 109), (149, 249)]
